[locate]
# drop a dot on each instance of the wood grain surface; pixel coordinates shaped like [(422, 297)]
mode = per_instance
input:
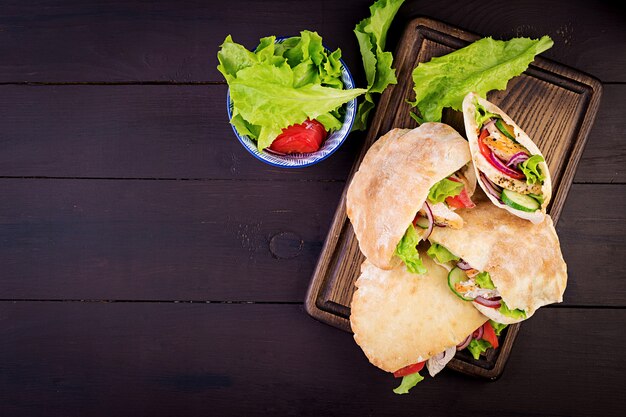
[(166, 359), (175, 41), (125, 196), (555, 105)]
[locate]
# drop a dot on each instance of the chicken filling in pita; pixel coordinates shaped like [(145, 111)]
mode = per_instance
[(471, 284), (444, 197), (508, 170)]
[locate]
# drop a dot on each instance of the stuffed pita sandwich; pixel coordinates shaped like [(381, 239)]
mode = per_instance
[(404, 322), (409, 182), (509, 167), (506, 266)]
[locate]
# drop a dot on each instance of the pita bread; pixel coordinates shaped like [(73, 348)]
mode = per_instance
[(523, 259), (399, 318), (471, 130), (393, 181)]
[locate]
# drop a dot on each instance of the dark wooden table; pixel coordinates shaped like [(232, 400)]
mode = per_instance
[(151, 267)]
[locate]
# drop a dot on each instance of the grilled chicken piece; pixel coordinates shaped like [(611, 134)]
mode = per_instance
[(503, 147), (504, 180), (444, 216)]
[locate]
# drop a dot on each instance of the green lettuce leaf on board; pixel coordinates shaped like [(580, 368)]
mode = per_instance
[(407, 251), (441, 253), (371, 34), (444, 189), (408, 382), (281, 84), (482, 66)]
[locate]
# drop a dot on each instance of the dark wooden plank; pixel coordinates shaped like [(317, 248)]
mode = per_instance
[(52, 41), (229, 240), (153, 240), (592, 231), (604, 158), (135, 132), (165, 359)]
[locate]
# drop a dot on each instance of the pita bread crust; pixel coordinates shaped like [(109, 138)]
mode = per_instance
[(393, 181), (495, 315), (471, 130), (524, 259), (399, 318)]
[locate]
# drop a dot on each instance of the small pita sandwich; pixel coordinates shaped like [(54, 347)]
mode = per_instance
[(509, 167), (410, 181), (506, 266), (402, 321)]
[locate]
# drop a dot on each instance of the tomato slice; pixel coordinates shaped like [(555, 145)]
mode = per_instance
[(490, 335), (411, 369), (483, 148), (305, 137), (462, 200)]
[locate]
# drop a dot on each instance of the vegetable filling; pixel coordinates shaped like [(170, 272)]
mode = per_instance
[(508, 170), (471, 284)]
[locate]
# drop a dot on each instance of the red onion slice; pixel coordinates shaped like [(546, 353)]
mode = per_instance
[(489, 302), (478, 333), (499, 165), (464, 343), (429, 216), (517, 159), (463, 265), (491, 188)]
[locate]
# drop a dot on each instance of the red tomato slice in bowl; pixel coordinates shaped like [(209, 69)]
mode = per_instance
[(305, 137)]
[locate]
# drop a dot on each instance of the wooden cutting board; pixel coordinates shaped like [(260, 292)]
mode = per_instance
[(554, 104)]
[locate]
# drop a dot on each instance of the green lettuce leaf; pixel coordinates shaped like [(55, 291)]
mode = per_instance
[(408, 382), (232, 58), (407, 251), (482, 114), (441, 253), (265, 96), (482, 66), (281, 84), (371, 34), (484, 281), (478, 347), (515, 313), (531, 169), (497, 327), (444, 189)]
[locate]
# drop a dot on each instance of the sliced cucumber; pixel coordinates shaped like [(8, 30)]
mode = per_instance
[(454, 277), (519, 201), (505, 129), (422, 222)]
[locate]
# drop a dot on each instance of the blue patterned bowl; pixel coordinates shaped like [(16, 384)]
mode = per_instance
[(299, 160)]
